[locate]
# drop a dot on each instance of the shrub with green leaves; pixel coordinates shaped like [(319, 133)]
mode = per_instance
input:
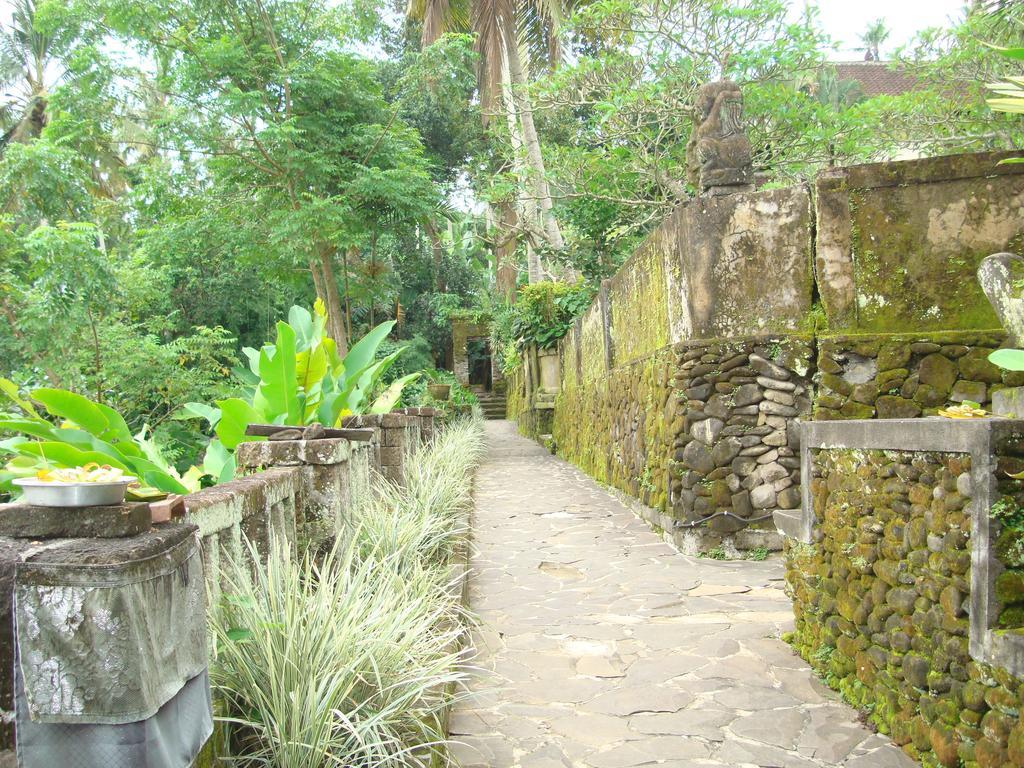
[(77, 432), (351, 660), (544, 312), (301, 379)]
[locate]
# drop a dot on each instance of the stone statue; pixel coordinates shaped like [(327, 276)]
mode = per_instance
[(718, 153), (997, 274)]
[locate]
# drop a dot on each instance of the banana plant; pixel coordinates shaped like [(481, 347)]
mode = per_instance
[(300, 380), (78, 432)]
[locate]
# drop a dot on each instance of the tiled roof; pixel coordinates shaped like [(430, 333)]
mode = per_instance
[(877, 78)]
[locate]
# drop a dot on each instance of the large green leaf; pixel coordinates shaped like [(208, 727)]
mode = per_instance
[(36, 428), (277, 377), (367, 381), (152, 475), (65, 455), (10, 389), (236, 415), (390, 396), (310, 370), (73, 407), (198, 411), (365, 350), (300, 320), (1010, 53), (215, 459), (117, 427), (253, 356), (1009, 359)]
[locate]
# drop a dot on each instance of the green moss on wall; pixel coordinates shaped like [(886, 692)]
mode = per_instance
[(639, 306), (618, 428), (880, 606)]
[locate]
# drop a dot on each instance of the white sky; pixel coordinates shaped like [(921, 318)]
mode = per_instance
[(845, 20)]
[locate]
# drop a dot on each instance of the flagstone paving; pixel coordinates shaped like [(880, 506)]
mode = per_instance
[(601, 646)]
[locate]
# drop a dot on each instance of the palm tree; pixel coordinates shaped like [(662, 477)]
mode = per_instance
[(30, 64), (509, 34), (873, 37)]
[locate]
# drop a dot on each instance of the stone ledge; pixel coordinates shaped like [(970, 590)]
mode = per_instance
[(283, 453), (26, 521)]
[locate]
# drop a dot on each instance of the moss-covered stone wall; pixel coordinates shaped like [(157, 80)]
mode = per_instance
[(881, 601), (865, 376), (618, 429), (898, 244), (639, 305)]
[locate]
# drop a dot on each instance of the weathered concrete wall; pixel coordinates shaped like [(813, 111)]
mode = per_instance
[(898, 244), (744, 264), (900, 241), (901, 595)]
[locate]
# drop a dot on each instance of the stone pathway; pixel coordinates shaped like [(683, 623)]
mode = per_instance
[(601, 646)]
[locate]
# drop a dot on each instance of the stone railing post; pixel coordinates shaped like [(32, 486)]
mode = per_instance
[(324, 484)]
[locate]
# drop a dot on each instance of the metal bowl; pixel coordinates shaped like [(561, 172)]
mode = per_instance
[(45, 493)]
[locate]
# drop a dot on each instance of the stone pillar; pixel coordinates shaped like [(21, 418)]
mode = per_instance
[(85, 558), (324, 486)]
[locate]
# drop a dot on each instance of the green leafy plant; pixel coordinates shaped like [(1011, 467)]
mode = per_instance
[(1008, 359), (1009, 96), (76, 432), (351, 660), (1008, 512), (544, 312), (758, 554), (300, 380)]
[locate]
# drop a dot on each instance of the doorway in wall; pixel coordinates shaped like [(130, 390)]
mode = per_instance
[(478, 350)]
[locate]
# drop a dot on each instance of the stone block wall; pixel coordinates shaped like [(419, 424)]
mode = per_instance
[(890, 376), (901, 596), (396, 435), (779, 269), (261, 507)]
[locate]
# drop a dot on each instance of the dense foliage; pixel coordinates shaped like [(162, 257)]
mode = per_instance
[(352, 659), (175, 174)]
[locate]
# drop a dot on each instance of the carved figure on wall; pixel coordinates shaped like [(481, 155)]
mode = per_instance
[(718, 152)]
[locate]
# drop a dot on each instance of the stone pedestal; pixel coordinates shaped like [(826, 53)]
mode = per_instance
[(30, 561), (26, 521)]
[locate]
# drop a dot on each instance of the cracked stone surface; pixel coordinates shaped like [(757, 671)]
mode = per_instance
[(601, 647)]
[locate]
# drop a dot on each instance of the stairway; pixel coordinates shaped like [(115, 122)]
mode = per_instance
[(491, 403)]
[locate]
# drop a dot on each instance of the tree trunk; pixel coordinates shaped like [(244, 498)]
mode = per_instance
[(505, 253), (327, 290), (531, 141)]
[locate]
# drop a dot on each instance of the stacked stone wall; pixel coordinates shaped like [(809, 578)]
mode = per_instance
[(883, 599), (738, 446), (890, 376)]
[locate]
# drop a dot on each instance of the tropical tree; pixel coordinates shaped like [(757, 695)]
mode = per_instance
[(872, 38), (511, 37), (28, 60), (301, 148)]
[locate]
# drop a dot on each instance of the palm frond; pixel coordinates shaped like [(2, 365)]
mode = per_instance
[(489, 20)]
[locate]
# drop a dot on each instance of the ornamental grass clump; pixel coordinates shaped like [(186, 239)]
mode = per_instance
[(422, 521), (352, 658)]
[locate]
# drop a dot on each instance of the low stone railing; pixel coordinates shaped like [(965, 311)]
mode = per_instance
[(299, 491), (897, 568)]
